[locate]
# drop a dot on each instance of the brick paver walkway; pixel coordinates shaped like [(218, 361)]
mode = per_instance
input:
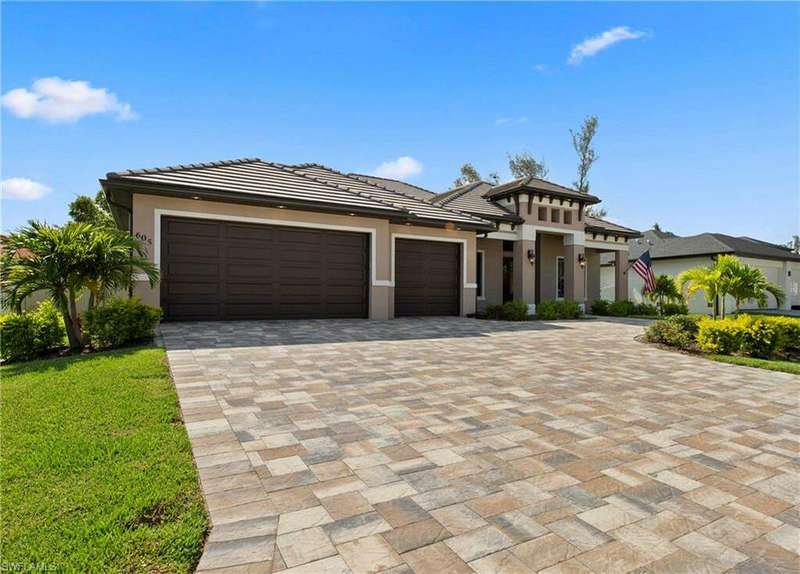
[(453, 445)]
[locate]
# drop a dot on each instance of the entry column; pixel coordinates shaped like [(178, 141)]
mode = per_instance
[(620, 275), (524, 269)]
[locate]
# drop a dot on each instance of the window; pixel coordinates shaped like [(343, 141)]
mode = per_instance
[(542, 214), (479, 273), (560, 270), (555, 215), (568, 217)]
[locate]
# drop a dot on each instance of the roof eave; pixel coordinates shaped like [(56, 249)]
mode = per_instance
[(585, 198), (622, 233), (116, 182)]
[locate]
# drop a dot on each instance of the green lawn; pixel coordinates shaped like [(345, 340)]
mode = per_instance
[(769, 364), (97, 474)]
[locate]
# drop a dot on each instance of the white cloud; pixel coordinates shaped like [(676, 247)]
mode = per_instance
[(21, 188), (596, 44), (56, 100), (400, 168), (540, 67), (507, 121)]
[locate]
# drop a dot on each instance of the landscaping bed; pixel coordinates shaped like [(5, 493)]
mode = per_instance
[(757, 341), (96, 466)]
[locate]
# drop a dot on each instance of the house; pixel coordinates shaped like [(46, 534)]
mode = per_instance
[(248, 239), (672, 254)]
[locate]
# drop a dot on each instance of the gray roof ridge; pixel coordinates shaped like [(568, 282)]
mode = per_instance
[(184, 167), (455, 192), (362, 176), (601, 220), (409, 196)]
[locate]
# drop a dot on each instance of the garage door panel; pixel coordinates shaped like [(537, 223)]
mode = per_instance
[(427, 278), (249, 271)]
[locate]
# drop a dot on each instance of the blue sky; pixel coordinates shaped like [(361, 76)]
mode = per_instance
[(698, 103)]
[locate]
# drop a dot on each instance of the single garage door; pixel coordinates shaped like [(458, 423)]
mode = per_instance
[(427, 278), (213, 270)]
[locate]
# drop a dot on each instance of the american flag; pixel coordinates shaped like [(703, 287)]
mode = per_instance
[(644, 267)]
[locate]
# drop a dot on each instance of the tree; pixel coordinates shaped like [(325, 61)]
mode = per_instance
[(468, 175), (525, 165), (84, 209), (794, 244), (494, 178), (594, 211), (657, 227), (705, 279), (582, 142), (729, 276), (65, 262), (746, 283), (666, 291)]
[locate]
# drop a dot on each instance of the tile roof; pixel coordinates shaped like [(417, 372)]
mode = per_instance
[(308, 184), (669, 246), (542, 186), (470, 199), (601, 225), (396, 185), (412, 204)]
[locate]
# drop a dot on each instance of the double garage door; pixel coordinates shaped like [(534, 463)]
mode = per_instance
[(224, 270)]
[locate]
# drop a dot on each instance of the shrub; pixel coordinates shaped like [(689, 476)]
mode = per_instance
[(669, 309), (788, 333), (759, 338), (493, 312), (120, 321), (645, 309), (550, 310), (599, 307), (621, 308), (722, 336), (515, 310), (676, 331), (31, 333)]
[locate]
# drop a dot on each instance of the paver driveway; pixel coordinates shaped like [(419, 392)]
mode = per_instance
[(455, 445)]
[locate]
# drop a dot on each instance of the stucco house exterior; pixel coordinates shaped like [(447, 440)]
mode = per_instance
[(252, 239), (671, 254)]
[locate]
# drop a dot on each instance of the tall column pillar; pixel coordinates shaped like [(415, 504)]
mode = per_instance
[(592, 276), (524, 270), (620, 275), (574, 265)]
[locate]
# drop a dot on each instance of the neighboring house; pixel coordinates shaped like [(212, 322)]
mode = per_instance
[(249, 239), (672, 254)]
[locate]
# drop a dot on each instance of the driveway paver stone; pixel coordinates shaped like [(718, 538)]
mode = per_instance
[(450, 445)]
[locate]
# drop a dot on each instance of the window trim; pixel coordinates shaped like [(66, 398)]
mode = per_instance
[(561, 259), (480, 290), (555, 215)]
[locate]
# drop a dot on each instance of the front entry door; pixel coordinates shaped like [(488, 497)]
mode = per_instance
[(508, 279)]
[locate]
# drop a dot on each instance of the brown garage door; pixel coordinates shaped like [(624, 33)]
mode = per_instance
[(215, 270), (426, 278)]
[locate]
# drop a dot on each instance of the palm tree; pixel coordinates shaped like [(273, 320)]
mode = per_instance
[(746, 283), (705, 279), (65, 262), (666, 291), (729, 276)]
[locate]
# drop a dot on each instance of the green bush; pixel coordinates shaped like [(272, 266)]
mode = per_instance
[(494, 312), (788, 333), (669, 309), (621, 308), (120, 321), (599, 307), (551, 310), (645, 309), (31, 333), (676, 331), (723, 336), (515, 310), (759, 338)]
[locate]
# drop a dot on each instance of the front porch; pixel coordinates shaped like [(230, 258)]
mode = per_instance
[(533, 265)]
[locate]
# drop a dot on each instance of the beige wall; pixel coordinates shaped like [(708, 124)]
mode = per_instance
[(549, 204), (493, 271), (381, 290), (550, 248)]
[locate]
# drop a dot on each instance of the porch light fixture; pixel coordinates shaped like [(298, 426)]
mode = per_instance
[(531, 256), (581, 259), (195, 197), (281, 207)]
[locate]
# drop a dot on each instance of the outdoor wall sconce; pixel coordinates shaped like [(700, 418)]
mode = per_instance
[(581, 259), (531, 256)]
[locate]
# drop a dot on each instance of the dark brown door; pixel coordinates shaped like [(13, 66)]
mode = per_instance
[(427, 278), (213, 270)]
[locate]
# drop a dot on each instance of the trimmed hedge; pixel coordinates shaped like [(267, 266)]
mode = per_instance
[(551, 310), (29, 334), (622, 308), (749, 335), (120, 321), (669, 309), (515, 310)]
